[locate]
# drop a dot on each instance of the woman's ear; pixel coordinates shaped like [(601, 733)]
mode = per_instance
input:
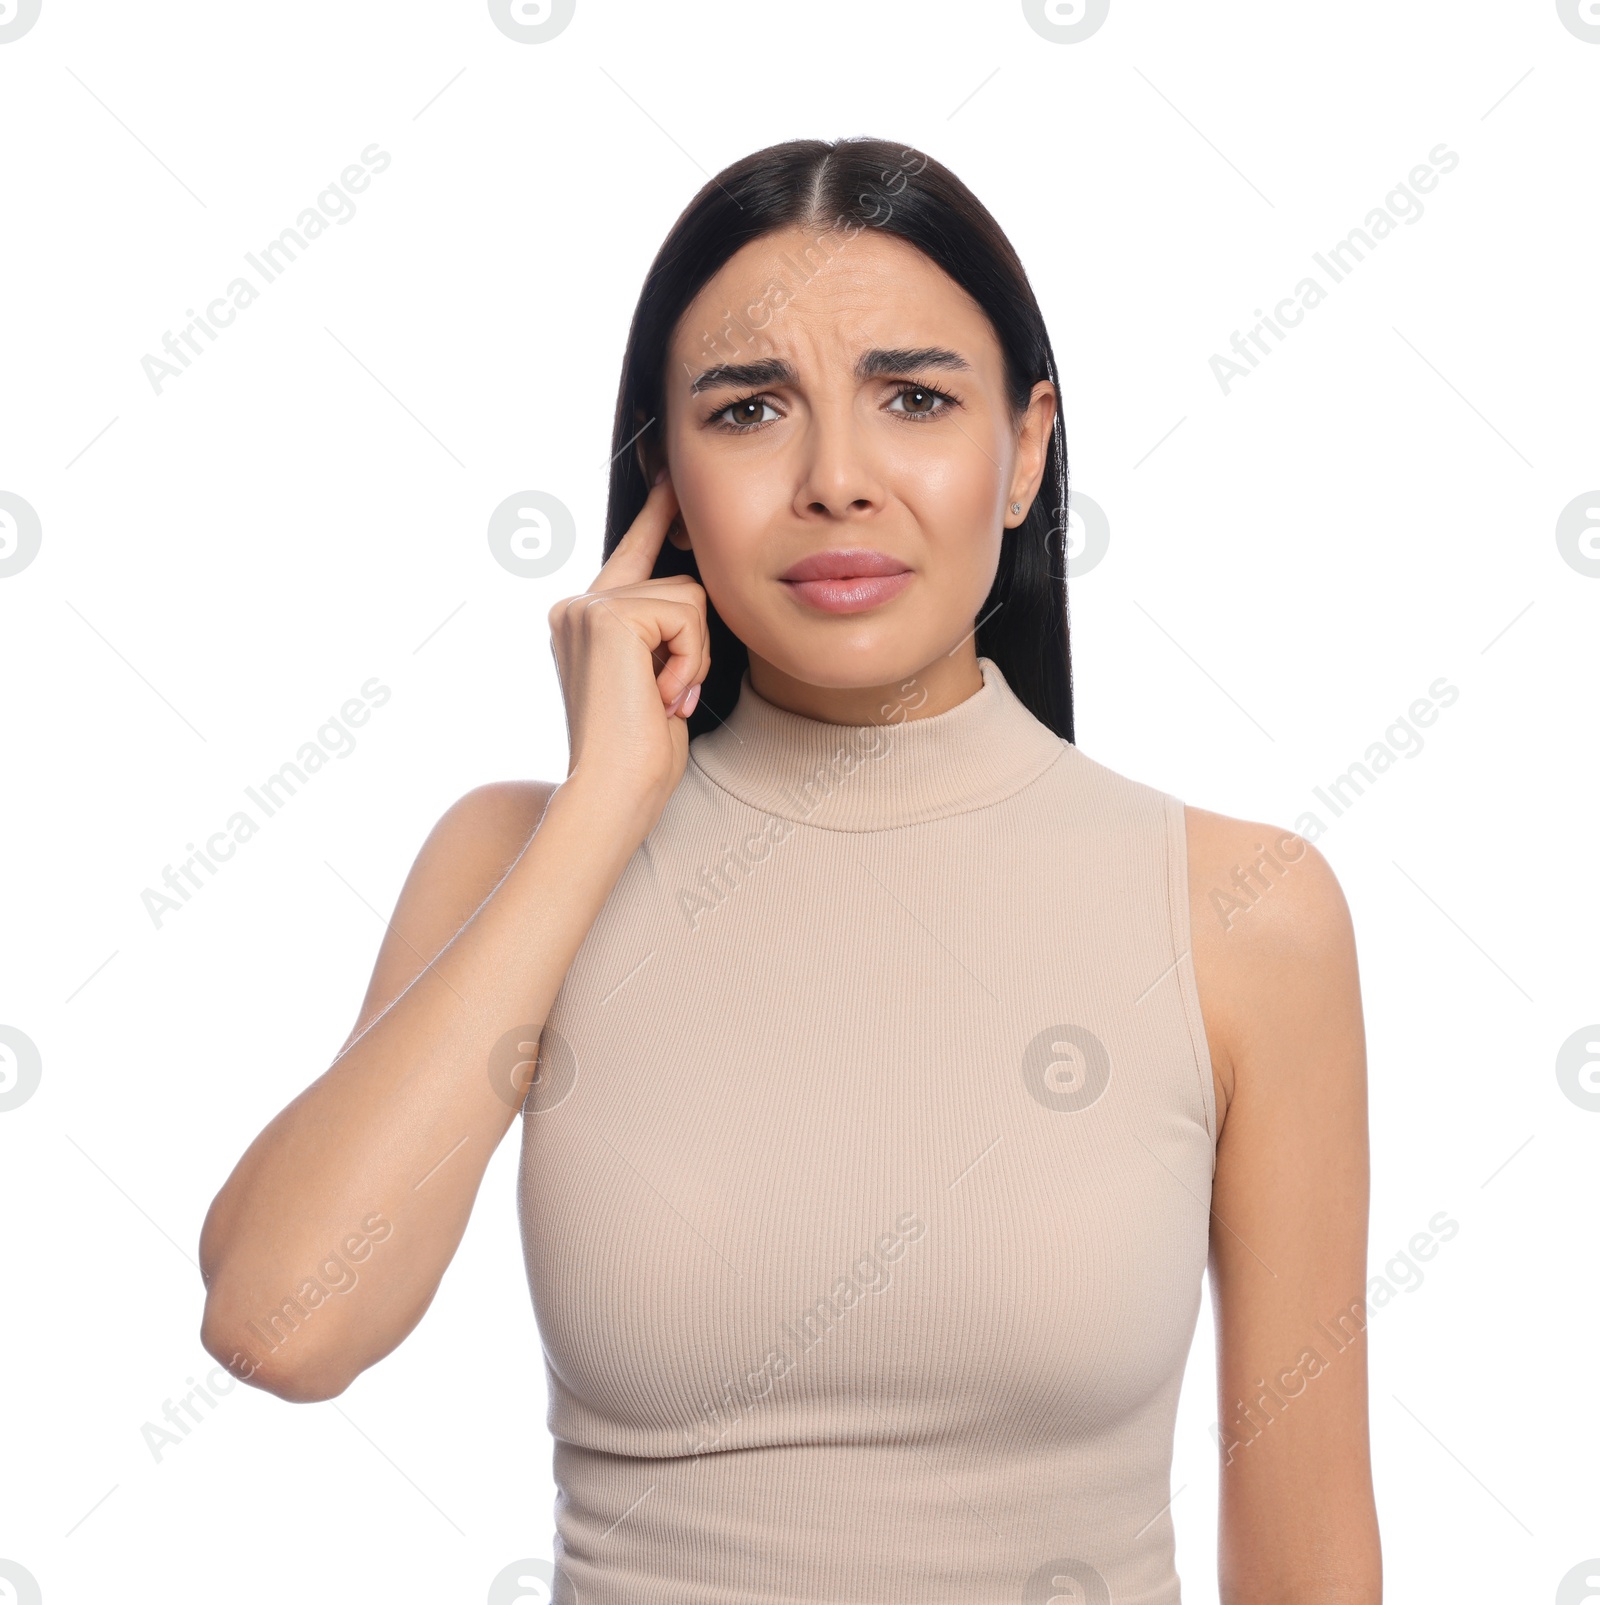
[(651, 458)]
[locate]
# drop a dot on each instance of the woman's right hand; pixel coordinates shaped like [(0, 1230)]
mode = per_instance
[(632, 652)]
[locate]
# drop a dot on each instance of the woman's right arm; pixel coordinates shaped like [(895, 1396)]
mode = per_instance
[(386, 1150), (328, 1241)]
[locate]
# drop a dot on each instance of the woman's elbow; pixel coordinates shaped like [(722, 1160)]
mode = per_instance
[(288, 1369)]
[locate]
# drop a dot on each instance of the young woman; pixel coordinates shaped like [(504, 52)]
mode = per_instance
[(889, 1069)]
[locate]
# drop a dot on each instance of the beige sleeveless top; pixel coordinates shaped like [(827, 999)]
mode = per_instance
[(865, 1182)]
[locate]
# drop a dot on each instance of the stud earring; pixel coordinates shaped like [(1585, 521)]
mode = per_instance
[(1016, 507)]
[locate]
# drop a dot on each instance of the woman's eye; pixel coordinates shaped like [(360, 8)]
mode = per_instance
[(924, 400), (744, 414)]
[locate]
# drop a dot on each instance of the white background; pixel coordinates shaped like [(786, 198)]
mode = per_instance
[(1291, 566)]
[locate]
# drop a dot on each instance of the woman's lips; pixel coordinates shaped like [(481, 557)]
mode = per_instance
[(852, 595), (847, 580)]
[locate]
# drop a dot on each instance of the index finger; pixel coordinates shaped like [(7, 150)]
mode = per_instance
[(634, 556)]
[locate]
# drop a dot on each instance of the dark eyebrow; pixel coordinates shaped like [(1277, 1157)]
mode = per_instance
[(875, 364)]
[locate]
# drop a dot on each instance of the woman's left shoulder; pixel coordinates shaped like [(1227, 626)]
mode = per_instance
[(1273, 944)]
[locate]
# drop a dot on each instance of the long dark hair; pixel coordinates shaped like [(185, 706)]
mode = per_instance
[(844, 185)]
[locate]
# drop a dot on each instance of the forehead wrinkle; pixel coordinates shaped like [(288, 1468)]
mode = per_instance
[(842, 307)]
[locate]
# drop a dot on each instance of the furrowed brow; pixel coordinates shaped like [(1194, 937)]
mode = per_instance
[(745, 376), (878, 363)]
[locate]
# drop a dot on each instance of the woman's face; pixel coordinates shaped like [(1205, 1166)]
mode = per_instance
[(876, 423)]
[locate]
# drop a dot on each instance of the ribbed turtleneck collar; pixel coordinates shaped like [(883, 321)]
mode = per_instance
[(876, 776)]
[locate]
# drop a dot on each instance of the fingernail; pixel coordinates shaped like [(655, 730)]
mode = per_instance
[(690, 700)]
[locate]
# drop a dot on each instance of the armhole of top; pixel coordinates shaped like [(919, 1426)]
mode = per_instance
[(1182, 940)]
